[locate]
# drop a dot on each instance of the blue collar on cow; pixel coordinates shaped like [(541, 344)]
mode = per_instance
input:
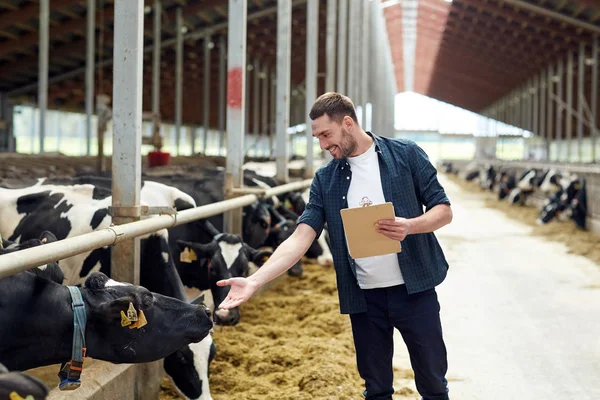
[(70, 372), (278, 225), (217, 236)]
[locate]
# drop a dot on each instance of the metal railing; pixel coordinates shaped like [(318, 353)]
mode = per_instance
[(23, 260)]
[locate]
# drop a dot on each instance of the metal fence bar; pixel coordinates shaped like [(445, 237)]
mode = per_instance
[(23, 260)]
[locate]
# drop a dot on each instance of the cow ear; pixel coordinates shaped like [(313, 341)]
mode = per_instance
[(207, 249), (139, 299), (96, 281), (256, 256), (47, 237), (198, 300)]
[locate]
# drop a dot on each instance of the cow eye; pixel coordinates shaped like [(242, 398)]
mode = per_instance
[(264, 224)]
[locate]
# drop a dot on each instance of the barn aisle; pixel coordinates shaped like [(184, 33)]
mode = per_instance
[(520, 314)]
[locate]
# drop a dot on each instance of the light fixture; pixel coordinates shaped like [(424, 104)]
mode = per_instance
[(147, 10)]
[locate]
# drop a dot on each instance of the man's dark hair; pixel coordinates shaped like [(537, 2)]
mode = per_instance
[(335, 105)]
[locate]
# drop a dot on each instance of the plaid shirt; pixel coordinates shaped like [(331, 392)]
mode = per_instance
[(410, 182)]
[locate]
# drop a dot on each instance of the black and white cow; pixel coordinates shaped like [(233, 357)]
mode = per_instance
[(285, 218), (17, 385), (36, 321), (73, 210), (225, 256), (525, 186), (569, 201)]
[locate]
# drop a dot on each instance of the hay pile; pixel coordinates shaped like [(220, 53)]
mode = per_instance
[(291, 344), (578, 241)]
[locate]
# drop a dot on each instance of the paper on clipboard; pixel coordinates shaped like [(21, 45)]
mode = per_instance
[(362, 238)]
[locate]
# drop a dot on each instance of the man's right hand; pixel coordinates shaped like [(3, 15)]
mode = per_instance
[(241, 290)]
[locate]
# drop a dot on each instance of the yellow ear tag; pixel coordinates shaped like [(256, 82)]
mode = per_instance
[(141, 322), (15, 396), (184, 256), (193, 256), (131, 313), (124, 320)]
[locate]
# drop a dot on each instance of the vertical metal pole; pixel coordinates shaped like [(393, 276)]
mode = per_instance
[(156, 63), (178, 75), (127, 122), (352, 39), (265, 109), (312, 55), (366, 62), (543, 80), (580, 100), (559, 110), (90, 67), (206, 95), (256, 105), (273, 116), (32, 129), (550, 114), (569, 119), (330, 45), (284, 38), (222, 87), (536, 104), (11, 127), (43, 68), (236, 98), (342, 45), (594, 99), (247, 110)]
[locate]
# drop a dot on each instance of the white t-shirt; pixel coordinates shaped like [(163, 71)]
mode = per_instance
[(378, 271)]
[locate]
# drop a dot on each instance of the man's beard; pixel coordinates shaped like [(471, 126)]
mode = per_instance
[(347, 145)]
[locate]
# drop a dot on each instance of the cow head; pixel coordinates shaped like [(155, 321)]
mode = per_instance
[(171, 323), (256, 224), (527, 180), (226, 256), (50, 271), (507, 182), (294, 202), (188, 367), (13, 384), (281, 230)]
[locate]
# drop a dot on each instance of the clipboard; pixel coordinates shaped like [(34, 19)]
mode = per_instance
[(362, 238)]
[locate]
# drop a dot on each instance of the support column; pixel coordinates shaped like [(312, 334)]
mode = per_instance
[(284, 38), (178, 76), (222, 87), (236, 98), (156, 53), (127, 136), (43, 68), (90, 68), (264, 130), (569, 118), (559, 109), (594, 99), (580, 100), (543, 79), (331, 38), (312, 55), (256, 106), (208, 45), (550, 114), (366, 62), (342, 46)]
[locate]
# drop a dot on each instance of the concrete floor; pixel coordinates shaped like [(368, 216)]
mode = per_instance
[(521, 316)]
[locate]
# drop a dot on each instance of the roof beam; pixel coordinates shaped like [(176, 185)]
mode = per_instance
[(31, 10)]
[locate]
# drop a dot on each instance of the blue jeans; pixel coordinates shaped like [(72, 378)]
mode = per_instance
[(417, 317)]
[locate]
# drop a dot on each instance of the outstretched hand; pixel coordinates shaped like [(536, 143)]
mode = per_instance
[(396, 229), (241, 290)]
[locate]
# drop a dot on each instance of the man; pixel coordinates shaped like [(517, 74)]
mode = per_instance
[(383, 292)]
